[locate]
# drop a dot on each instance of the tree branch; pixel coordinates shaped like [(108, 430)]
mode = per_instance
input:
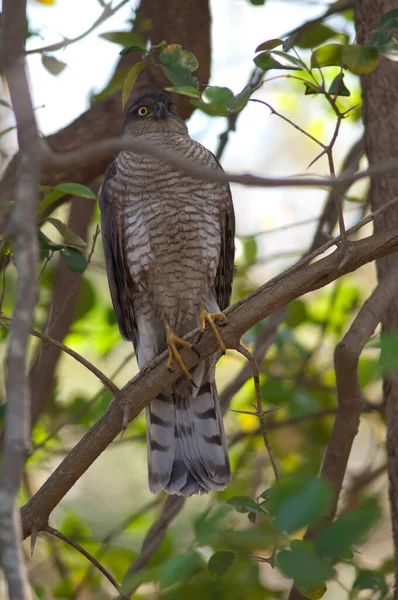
[(146, 386), (106, 14), (104, 151), (87, 555), (21, 230), (78, 357)]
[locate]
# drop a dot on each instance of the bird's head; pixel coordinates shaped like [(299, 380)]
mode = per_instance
[(153, 113)]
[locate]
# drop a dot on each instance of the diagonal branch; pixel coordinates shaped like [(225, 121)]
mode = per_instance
[(147, 385), (21, 230)]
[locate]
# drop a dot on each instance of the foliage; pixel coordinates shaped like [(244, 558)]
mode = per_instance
[(218, 547)]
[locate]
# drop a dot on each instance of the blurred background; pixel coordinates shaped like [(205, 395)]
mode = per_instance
[(110, 509)]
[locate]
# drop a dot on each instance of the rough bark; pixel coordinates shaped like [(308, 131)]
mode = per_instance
[(380, 102)]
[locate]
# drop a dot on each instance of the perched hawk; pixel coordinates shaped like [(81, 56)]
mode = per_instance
[(169, 250)]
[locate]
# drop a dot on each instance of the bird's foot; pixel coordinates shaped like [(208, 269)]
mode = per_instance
[(173, 341), (211, 318)]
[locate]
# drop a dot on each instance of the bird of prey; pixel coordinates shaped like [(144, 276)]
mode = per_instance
[(169, 250)]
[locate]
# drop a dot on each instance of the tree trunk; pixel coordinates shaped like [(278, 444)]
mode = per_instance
[(380, 106)]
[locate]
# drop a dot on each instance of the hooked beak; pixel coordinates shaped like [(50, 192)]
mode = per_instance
[(161, 112)]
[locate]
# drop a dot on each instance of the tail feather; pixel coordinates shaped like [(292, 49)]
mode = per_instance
[(187, 449), (160, 441)]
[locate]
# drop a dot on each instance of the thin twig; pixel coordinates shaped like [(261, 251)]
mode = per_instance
[(87, 555), (49, 257), (292, 123), (313, 416), (106, 13), (78, 357), (260, 412)]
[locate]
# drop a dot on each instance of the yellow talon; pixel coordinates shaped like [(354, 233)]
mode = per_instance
[(204, 316), (172, 342)]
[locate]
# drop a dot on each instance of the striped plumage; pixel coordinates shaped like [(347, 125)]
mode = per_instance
[(169, 247)]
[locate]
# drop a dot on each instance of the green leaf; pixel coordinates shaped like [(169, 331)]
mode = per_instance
[(130, 80), (46, 244), (315, 35), (238, 102), (244, 504), (76, 189), (296, 62), (5, 104), (180, 76), (210, 109), (268, 494), (49, 199), (178, 568), (124, 38), (269, 45), (328, 55), (390, 49), (349, 529), (370, 580), (257, 2), (133, 48), (300, 501), (74, 260), (173, 54), (185, 90), (220, 562), (68, 234), (302, 564), (218, 95), (266, 62), (360, 60), (52, 64), (338, 88), (7, 130), (390, 19), (311, 88), (158, 47)]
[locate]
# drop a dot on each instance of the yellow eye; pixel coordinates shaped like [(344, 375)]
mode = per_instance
[(143, 110)]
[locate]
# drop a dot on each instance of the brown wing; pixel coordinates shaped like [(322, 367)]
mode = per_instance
[(225, 270), (120, 283)]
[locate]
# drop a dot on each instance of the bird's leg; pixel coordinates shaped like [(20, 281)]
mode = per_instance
[(210, 318), (172, 342)]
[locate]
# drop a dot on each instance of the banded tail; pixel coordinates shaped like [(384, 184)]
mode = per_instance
[(187, 448)]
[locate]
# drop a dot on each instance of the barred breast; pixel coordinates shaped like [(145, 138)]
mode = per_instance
[(172, 230)]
